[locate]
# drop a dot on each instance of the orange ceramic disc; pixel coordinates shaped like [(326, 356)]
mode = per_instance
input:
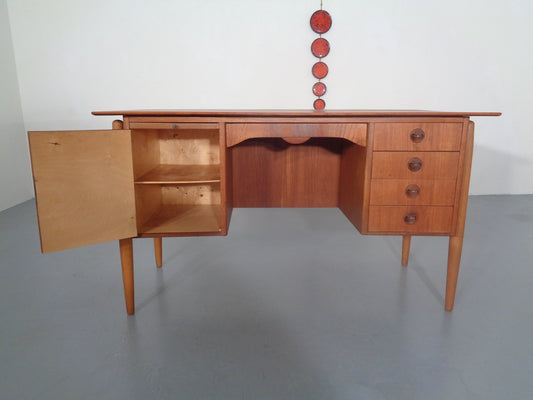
[(320, 70), (319, 104), (320, 21), (319, 89), (320, 47)]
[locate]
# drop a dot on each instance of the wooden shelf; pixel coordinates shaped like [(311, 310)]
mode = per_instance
[(184, 218), (168, 174)]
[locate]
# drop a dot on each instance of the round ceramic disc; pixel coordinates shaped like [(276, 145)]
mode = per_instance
[(320, 47), (320, 70), (319, 89), (320, 21), (319, 104)]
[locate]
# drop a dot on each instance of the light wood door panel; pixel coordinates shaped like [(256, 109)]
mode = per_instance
[(84, 187)]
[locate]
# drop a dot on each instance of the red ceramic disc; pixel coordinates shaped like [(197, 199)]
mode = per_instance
[(320, 48), (320, 21), (319, 89), (320, 70), (319, 104)]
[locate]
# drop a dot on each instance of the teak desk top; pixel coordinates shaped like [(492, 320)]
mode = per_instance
[(297, 113), (161, 173)]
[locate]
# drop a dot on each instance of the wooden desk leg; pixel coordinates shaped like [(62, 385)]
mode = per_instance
[(406, 245), (158, 249), (456, 242), (454, 260), (126, 259)]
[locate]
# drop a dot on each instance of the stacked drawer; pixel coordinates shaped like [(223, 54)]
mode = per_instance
[(414, 176)]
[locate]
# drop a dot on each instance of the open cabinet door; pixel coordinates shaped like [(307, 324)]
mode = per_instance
[(83, 186)]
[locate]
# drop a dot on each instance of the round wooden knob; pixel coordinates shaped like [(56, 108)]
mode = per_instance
[(410, 218), (414, 164), (117, 124), (417, 135), (412, 191)]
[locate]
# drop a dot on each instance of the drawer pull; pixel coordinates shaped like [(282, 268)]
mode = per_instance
[(410, 218), (412, 191), (417, 135), (414, 164)]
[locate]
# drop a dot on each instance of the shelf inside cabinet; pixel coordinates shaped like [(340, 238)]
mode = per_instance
[(174, 174), (192, 218)]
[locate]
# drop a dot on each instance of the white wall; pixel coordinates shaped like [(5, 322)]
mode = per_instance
[(15, 179), (75, 56)]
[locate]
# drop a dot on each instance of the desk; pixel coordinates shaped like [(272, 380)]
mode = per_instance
[(167, 173)]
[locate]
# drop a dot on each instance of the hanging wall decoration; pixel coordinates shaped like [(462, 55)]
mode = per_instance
[(320, 23)]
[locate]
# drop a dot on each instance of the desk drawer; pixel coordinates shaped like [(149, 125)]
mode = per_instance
[(415, 165), (410, 219), (417, 136), (189, 126), (237, 133), (412, 192)]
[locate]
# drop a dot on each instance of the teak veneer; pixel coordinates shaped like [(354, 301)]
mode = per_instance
[(161, 173)]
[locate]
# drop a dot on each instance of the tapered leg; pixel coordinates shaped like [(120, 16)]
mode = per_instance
[(126, 259), (158, 249), (456, 242), (406, 245), (454, 260)]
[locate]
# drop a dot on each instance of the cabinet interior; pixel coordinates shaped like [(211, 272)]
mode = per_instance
[(177, 179)]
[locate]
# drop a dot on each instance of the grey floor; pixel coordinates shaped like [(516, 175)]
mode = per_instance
[(293, 304)]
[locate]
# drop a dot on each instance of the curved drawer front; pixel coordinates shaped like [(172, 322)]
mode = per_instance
[(354, 132), (417, 136), (410, 219)]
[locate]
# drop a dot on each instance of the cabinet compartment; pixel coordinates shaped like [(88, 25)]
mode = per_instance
[(177, 179), (153, 148), (178, 208)]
